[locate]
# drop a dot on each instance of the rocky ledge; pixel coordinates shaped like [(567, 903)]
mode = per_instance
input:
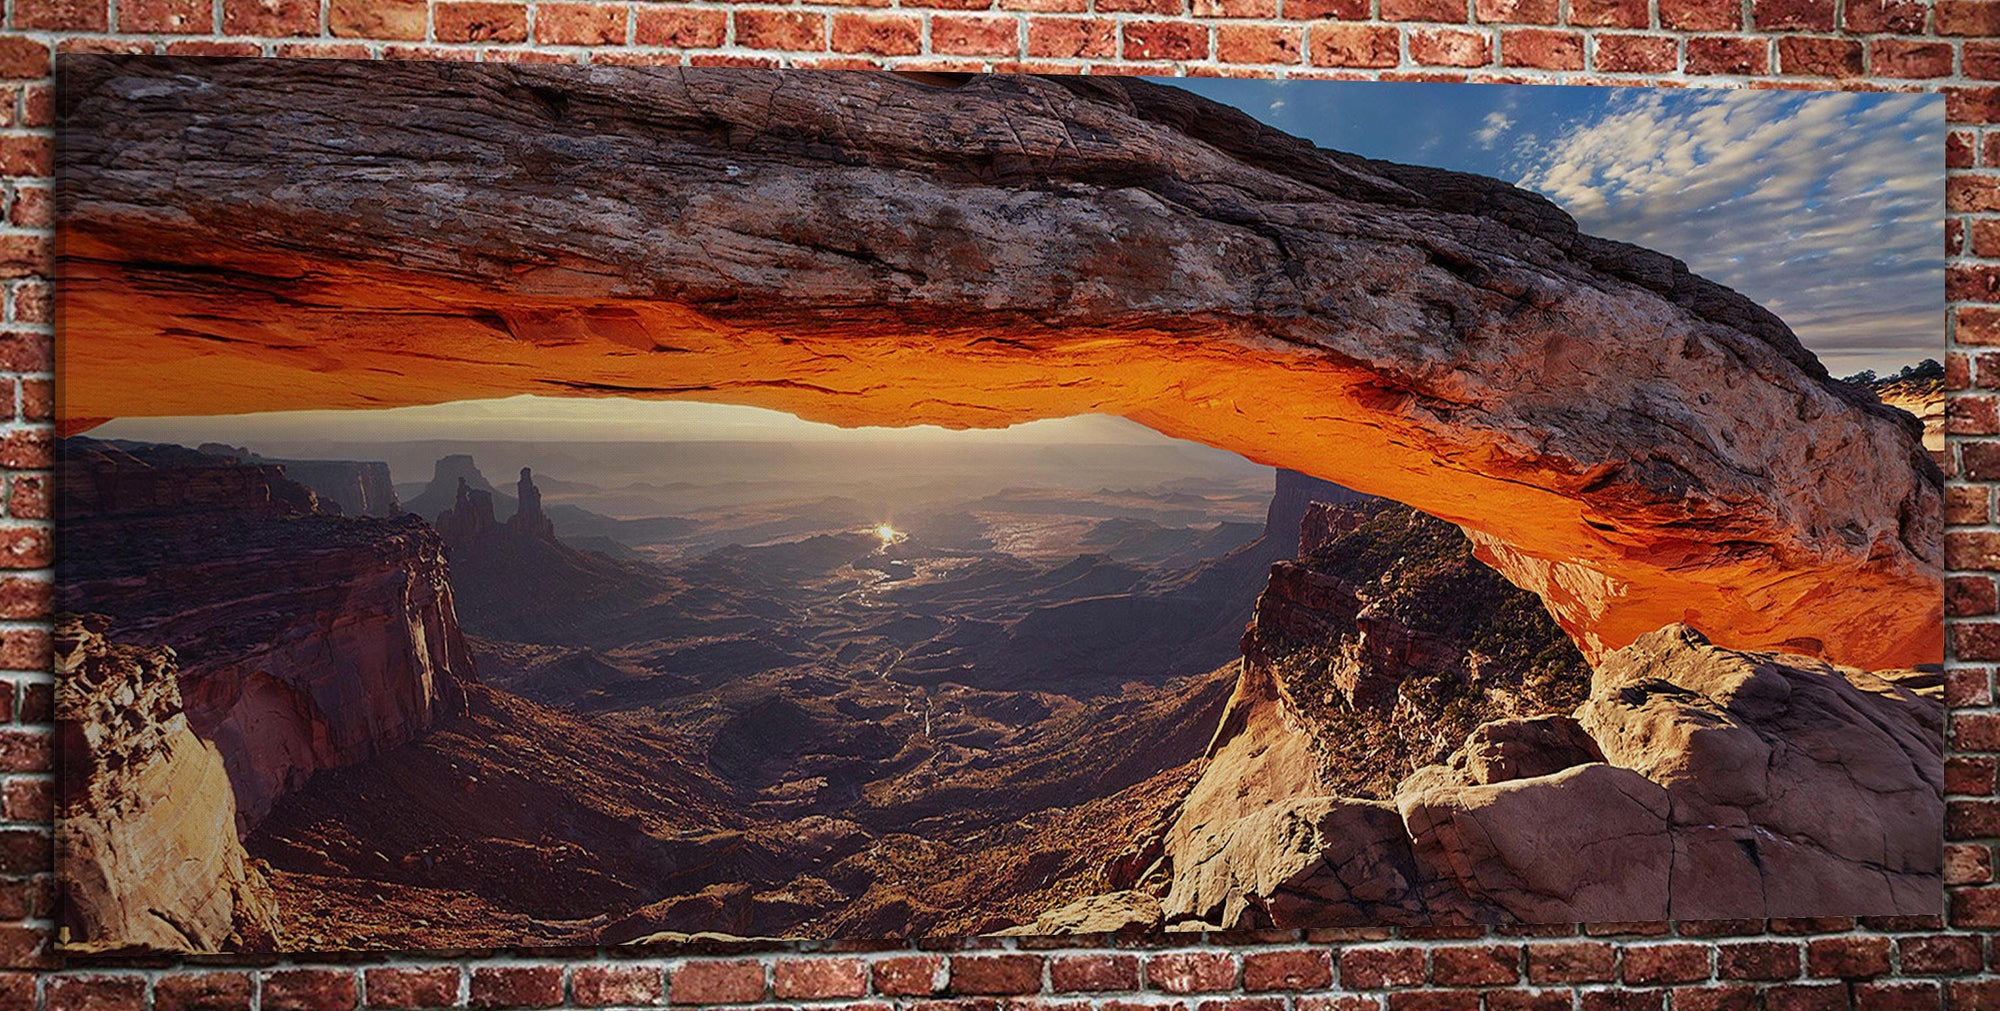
[(304, 640), (146, 852)]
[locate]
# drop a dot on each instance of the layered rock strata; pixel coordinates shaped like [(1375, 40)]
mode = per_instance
[(1635, 444), (146, 847)]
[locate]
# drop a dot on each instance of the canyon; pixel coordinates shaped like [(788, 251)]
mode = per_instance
[(1636, 445), (1548, 582)]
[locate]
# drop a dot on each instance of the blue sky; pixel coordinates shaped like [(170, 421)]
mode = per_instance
[(1828, 208)]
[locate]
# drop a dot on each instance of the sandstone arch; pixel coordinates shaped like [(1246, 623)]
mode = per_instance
[(1637, 445)]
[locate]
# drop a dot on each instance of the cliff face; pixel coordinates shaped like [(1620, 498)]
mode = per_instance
[(1635, 444), (147, 849), (305, 641), (1406, 745)]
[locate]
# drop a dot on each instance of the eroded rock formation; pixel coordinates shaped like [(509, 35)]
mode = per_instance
[(306, 641), (1694, 782), (1636, 445), (147, 850)]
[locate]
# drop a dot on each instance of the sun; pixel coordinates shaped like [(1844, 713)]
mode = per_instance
[(887, 533)]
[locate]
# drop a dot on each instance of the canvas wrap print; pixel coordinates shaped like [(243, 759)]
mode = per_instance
[(519, 505)]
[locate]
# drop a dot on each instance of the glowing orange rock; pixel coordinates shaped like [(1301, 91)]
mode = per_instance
[(1636, 445)]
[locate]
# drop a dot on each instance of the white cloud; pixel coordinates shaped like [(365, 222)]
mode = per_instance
[(1826, 208), (1495, 124)]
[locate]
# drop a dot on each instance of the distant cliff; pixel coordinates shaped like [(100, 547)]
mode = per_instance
[(352, 487), (306, 641)]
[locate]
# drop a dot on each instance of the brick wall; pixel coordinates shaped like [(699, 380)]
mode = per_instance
[(1952, 46)]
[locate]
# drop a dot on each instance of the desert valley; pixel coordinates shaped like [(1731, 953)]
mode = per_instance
[(1162, 523)]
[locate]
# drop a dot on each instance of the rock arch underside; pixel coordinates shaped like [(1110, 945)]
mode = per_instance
[(1637, 445)]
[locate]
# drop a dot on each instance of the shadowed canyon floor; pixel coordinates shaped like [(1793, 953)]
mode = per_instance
[(875, 732)]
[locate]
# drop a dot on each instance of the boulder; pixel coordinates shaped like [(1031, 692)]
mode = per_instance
[(1112, 913), (1312, 862), (1505, 750), (1797, 788)]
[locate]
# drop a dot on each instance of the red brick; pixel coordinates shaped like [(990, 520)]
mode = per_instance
[(1970, 596), (24, 750), (1287, 970), (1966, 686), (1757, 960), (23, 448), (1071, 38), (1610, 13), (270, 17), (690, 28), (907, 975), (1848, 957), (23, 59), (1972, 549), (26, 255), (1376, 968), (1191, 971), (1258, 43), (1584, 962), (975, 36), (1976, 640), (1807, 997), (1899, 996), (413, 988), (516, 986), (881, 34), (1538, 47), (1967, 863), (1434, 1000), (1517, 12), (1447, 47), (22, 597), (1981, 60), (17, 989), (1335, 10), (818, 978), (376, 19), (1939, 954), (1095, 973), (1528, 1000), (768, 29), (1797, 15), (1167, 7), (62, 15), (203, 991), (1972, 105), (1974, 193), (1819, 57), (733, 981), (95, 993), (1901, 17), (1478, 965), (1717, 998), (996, 975), (1447, 11), (1701, 15), (24, 548), (26, 351), (580, 24), (1341, 45), (1623, 1000), (480, 22), (309, 990), (1665, 963), (175, 17), (1727, 55), (26, 155), (1165, 40), (1980, 18), (205, 47), (1903, 58), (1636, 54)]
